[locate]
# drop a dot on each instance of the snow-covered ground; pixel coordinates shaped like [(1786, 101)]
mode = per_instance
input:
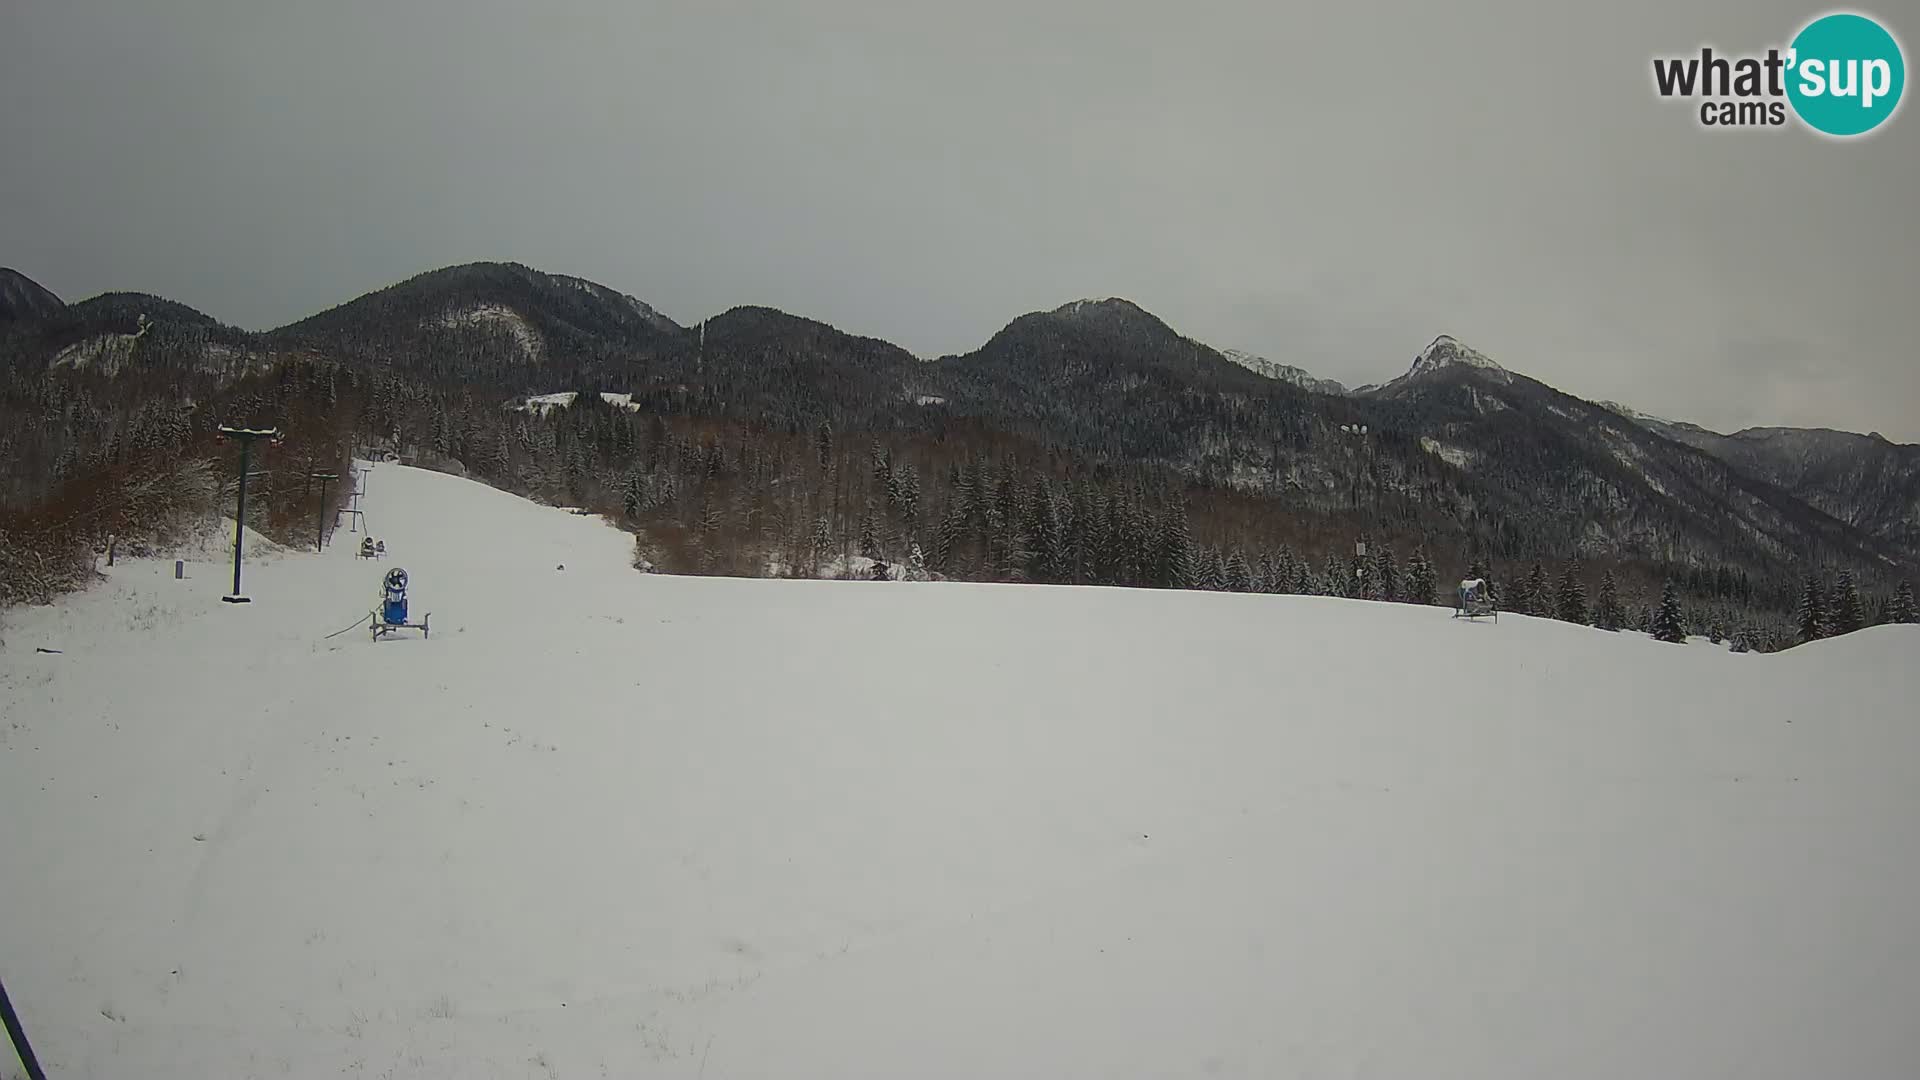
[(606, 824)]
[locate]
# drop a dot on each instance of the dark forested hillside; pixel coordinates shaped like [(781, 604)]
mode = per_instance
[(1863, 480), (1561, 474), (780, 371), (500, 323), (23, 298), (1088, 444)]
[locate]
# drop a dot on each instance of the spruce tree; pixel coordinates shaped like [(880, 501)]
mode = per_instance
[(947, 543), (1173, 558), (1239, 576), (1607, 613), (632, 496), (1845, 613), (1385, 575), (1573, 596), (869, 539), (882, 471), (1901, 610), (908, 478), (1042, 535), (1539, 599), (1213, 571), (822, 540), (1420, 578), (1813, 617), (1286, 571), (1522, 603), (1667, 623)]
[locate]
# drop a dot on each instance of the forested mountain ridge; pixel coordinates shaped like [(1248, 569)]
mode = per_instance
[(21, 297), (1864, 480), (1298, 376), (488, 321), (1090, 442)]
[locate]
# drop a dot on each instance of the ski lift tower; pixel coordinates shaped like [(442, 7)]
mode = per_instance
[(246, 437), (1358, 432), (352, 510), (320, 515)]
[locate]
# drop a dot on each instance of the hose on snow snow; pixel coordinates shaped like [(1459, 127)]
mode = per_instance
[(357, 624)]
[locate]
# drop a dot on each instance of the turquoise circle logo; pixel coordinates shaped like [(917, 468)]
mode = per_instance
[(1845, 74)]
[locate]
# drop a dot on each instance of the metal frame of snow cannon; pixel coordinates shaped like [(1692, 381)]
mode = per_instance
[(391, 615), (1473, 602)]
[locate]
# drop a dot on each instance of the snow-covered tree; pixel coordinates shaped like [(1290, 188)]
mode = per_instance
[(1813, 617), (1042, 534), (1573, 596), (1539, 599), (1901, 609), (1173, 562), (946, 544), (1213, 571), (1607, 614), (869, 538), (633, 495), (1844, 615), (1385, 575), (1420, 578), (1338, 581), (1667, 623), (822, 540), (1239, 578)]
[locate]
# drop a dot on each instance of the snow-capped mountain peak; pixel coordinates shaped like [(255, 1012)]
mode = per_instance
[(1286, 373), (1446, 351), (1091, 306)]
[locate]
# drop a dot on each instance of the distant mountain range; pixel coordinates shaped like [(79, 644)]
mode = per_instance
[(1458, 443)]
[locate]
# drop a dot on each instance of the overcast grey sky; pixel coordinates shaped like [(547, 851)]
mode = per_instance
[(1329, 185)]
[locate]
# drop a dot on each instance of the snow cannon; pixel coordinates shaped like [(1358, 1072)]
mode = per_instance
[(1474, 601), (393, 599), (392, 613)]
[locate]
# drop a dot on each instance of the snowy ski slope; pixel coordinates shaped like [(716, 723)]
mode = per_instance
[(606, 824)]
